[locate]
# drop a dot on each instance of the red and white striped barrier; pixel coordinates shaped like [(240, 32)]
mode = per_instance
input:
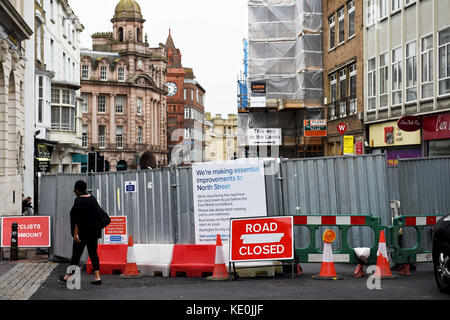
[(421, 221), (330, 220)]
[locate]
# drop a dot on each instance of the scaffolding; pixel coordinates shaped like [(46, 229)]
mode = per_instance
[(285, 49)]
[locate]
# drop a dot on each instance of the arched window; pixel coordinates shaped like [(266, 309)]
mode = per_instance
[(138, 35), (120, 34)]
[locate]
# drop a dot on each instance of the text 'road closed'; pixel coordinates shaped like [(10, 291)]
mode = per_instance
[(259, 239)]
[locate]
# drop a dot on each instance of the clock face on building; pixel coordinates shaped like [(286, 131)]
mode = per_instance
[(173, 88)]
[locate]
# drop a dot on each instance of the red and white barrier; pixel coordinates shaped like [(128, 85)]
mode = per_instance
[(422, 221), (330, 220)]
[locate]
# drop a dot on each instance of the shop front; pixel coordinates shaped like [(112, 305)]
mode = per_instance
[(436, 135), (388, 138)]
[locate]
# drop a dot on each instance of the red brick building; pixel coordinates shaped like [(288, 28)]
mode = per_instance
[(185, 109), (124, 94), (343, 60)]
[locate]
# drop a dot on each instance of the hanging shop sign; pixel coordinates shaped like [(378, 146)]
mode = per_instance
[(315, 128), (409, 123), (43, 157)]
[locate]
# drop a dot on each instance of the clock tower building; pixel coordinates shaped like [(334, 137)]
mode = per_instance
[(175, 98), (185, 109)]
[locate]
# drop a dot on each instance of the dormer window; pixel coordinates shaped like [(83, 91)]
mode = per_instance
[(85, 72), (103, 73), (121, 74)]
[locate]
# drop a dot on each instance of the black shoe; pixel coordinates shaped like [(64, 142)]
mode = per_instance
[(61, 278), (97, 283)]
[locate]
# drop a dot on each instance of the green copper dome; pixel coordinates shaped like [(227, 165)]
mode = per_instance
[(128, 9)]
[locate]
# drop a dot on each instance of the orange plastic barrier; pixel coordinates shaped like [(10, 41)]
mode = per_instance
[(193, 260), (113, 259)]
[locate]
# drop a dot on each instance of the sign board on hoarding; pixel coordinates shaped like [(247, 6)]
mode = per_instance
[(130, 187), (436, 127), (315, 128), (33, 232), (225, 190), (349, 143), (116, 231), (262, 239), (265, 137)]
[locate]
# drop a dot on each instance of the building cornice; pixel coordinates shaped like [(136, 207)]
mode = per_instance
[(13, 21)]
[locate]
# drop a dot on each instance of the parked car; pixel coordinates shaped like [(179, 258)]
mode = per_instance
[(441, 254)]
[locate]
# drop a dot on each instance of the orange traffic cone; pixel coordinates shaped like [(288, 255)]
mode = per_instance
[(327, 271), (404, 270), (131, 270), (359, 272), (299, 270), (383, 270), (220, 269)]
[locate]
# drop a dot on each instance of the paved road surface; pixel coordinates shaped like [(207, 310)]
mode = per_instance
[(419, 286)]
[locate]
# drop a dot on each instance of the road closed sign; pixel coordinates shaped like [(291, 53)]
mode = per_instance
[(33, 232), (262, 239)]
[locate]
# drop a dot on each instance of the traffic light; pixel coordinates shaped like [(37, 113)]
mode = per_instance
[(92, 162), (100, 163)]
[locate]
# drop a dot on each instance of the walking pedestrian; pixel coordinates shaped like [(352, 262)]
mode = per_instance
[(27, 207), (86, 229)]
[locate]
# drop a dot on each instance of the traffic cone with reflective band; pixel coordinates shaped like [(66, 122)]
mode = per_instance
[(220, 269), (327, 271), (383, 270), (359, 272), (131, 270), (404, 270), (299, 270)]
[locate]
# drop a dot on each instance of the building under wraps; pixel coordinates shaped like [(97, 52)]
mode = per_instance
[(285, 54)]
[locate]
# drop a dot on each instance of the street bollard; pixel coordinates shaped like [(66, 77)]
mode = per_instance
[(14, 254)]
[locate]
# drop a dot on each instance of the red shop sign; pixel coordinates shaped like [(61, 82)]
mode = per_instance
[(436, 127), (259, 239), (409, 123)]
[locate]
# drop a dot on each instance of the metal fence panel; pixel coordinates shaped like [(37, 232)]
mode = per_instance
[(337, 186), (422, 186), (162, 209)]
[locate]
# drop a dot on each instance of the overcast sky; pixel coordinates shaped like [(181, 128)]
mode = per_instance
[(209, 34)]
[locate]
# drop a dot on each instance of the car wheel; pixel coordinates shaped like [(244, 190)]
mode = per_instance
[(442, 267)]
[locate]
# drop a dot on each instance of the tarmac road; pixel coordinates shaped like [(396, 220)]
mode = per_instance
[(419, 286)]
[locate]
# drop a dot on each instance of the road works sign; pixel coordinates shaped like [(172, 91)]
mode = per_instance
[(262, 239), (33, 232), (116, 231)]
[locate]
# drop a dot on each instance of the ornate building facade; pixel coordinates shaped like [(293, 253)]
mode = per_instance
[(124, 94), (13, 32)]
